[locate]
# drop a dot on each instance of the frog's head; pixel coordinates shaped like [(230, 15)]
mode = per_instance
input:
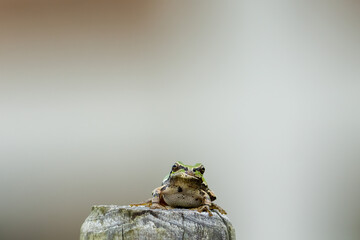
[(196, 171), (189, 172)]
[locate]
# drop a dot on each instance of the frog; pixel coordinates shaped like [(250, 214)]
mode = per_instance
[(184, 187)]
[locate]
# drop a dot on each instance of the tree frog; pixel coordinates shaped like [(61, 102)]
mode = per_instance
[(184, 187)]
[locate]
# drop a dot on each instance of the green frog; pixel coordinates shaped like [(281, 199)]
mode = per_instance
[(184, 187)]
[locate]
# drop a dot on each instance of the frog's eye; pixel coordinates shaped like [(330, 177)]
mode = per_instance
[(174, 167), (201, 169)]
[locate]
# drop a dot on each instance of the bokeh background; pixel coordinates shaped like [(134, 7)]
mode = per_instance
[(99, 98)]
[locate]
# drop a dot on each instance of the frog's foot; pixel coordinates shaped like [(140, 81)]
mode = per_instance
[(217, 207), (147, 204), (157, 206), (168, 207), (140, 204), (203, 208)]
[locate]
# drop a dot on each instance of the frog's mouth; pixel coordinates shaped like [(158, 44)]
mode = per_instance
[(185, 177)]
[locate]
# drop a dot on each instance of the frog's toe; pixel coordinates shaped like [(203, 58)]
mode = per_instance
[(158, 206), (146, 203), (222, 211), (139, 204), (217, 207), (203, 208)]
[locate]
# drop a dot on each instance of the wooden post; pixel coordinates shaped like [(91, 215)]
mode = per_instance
[(112, 222)]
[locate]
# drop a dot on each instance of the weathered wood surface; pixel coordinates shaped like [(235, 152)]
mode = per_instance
[(125, 222)]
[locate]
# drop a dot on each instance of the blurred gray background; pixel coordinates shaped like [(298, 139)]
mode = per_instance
[(99, 98)]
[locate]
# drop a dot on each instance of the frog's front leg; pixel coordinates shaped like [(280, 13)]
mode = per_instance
[(206, 204), (156, 199)]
